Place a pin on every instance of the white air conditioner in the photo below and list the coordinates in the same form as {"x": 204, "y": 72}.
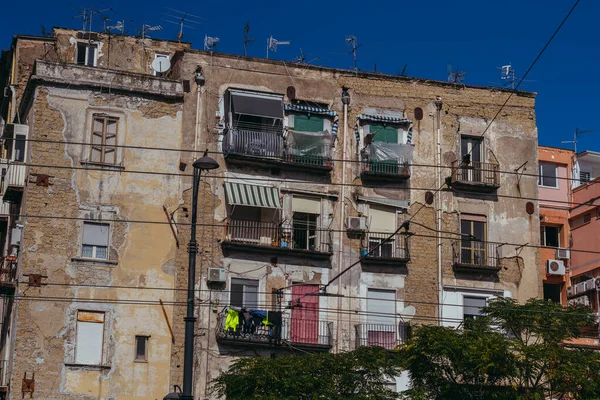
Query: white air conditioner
{"x": 581, "y": 300}
{"x": 15, "y": 237}
{"x": 556, "y": 267}
{"x": 563, "y": 254}
{"x": 357, "y": 224}
{"x": 580, "y": 288}
{"x": 570, "y": 291}
{"x": 15, "y": 129}
{"x": 589, "y": 285}
{"x": 216, "y": 275}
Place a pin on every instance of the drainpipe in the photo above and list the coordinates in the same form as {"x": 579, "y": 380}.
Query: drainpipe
{"x": 438, "y": 105}
{"x": 340, "y": 260}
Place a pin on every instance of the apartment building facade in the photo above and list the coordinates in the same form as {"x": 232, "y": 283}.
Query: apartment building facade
{"x": 347, "y": 208}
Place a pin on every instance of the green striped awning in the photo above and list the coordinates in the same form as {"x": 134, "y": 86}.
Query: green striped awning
{"x": 252, "y": 195}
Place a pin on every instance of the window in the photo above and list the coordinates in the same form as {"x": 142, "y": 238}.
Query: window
{"x": 472, "y": 308}
{"x": 244, "y": 293}
{"x": 95, "y": 240}
{"x": 90, "y": 337}
{"x": 141, "y": 348}
{"x": 86, "y": 54}
{"x": 550, "y": 235}
{"x": 309, "y": 123}
{"x": 382, "y": 223}
{"x": 472, "y": 147}
{"x": 104, "y": 139}
{"x": 257, "y": 112}
{"x": 162, "y": 57}
{"x": 585, "y": 177}
{"x": 587, "y": 218}
{"x": 20, "y": 146}
{"x": 381, "y": 328}
{"x": 548, "y": 174}
{"x": 305, "y": 230}
{"x": 552, "y": 292}
{"x": 472, "y": 247}
{"x": 383, "y": 133}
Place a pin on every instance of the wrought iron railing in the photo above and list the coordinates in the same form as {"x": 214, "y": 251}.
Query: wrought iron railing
{"x": 292, "y": 330}
{"x": 394, "y": 247}
{"x": 8, "y": 271}
{"x": 476, "y": 172}
{"x": 468, "y": 252}
{"x": 274, "y": 234}
{"x": 386, "y": 336}
{"x": 389, "y": 167}
{"x": 269, "y": 143}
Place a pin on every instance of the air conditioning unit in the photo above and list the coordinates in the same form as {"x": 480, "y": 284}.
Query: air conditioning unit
{"x": 556, "y": 267}
{"x": 15, "y": 237}
{"x": 590, "y": 285}
{"x": 15, "y": 129}
{"x": 563, "y": 254}
{"x": 571, "y": 291}
{"x": 216, "y": 275}
{"x": 357, "y": 224}
{"x": 581, "y": 300}
{"x": 580, "y": 288}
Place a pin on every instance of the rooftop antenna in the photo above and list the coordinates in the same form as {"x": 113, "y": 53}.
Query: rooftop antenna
{"x": 575, "y": 135}
{"x": 272, "y": 44}
{"x": 507, "y": 73}
{"x": 300, "y": 59}
{"x": 180, "y": 19}
{"x": 210, "y": 43}
{"x": 455, "y": 76}
{"x": 247, "y": 40}
{"x": 120, "y": 26}
{"x": 85, "y": 17}
{"x": 105, "y": 19}
{"x": 149, "y": 28}
{"x": 353, "y": 42}
{"x": 404, "y": 70}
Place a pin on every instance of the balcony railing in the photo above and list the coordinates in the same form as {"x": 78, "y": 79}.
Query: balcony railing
{"x": 267, "y": 143}
{"x": 4, "y": 375}
{"x": 13, "y": 181}
{"x": 392, "y": 167}
{"x": 8, "y": 271}
{"x": 4, "y": 208}
{"x": 476, "y": 173}
{"x": 394, "y": 248}
{"x": 275, "y": 235}
{"x": 386, "y": 336}
{"x": 292, "y": 330}
{"x": 475, "y": 255}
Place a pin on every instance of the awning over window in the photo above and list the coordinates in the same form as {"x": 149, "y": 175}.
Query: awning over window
{"x": 257, "y": 104}
{"x": 403, "y": 204}
{"x": 252, "y": 195}
{"x": 383, "y": 118}
{"x": 316, "y": 110}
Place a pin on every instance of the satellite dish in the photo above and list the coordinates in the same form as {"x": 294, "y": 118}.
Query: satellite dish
{"x": 161, "y": 64}
{"x": 408, "y": 313}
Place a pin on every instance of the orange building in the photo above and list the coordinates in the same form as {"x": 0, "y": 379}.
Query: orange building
{"x": 554, "y": 185}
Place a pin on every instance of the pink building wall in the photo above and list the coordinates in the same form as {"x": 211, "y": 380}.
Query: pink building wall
{"x": 586, "y": 236}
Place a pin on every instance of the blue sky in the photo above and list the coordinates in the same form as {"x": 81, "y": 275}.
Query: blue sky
{"x": 478, "y": 36}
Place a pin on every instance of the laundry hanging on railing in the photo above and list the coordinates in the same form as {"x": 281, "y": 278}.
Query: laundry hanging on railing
{"x": 315, "y": 144}
{"x": 316, "y": 110}
{"x": 382, "y": 118}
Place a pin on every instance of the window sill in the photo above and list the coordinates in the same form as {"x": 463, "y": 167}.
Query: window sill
{"x": 88, "y": 366}
{"x": 103, "y": 166}
{"x": 94, "y": 260}
{"x": 141, "y": 361}
{"x": 548, "y": 187}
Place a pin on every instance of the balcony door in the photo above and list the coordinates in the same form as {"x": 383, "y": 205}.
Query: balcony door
{"x": 472, "y": 248}
{"x": 473, "y": 147}
{"x": 305, "y": 319}
{"x": 381, "y": 318}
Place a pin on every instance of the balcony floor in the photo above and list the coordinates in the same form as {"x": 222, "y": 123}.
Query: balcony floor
{"x": 229, "y": 246}
{"x": 382, "y": 177}
{"x": 265, "y": 162}
{"x": 486, "y": 269}
{"x": 251, "y": 341}
{"x": 385, "y": 261}
{"x": 478, "y": 187}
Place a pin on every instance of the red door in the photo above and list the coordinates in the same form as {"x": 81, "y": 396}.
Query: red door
{"x": 305, "y": 319}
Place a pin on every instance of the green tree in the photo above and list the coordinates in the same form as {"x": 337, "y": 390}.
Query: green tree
{"x": 513, "y": 351}
{"x": 357, "y": 375}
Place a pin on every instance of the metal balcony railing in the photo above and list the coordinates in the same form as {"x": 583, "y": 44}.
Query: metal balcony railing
{"x": 4, "y": 208}
{"x": 292, "y": 330}
{"x": 389, "y": 167}
{"x": 396, "y": 247}
{"x": 14, "y": 178}
{"x": 267, "y": 142}
{"x": 273, "y": 234}
{"x": 386, "y": 336}
{"x": 8, "y": 271}
{"x": 473, "y": 253}
{"x": 476, "y": 172}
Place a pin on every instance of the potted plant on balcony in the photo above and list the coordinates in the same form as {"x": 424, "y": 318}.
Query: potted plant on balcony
{"x": 286, "y": 237}
{"x": 275, "y": 240}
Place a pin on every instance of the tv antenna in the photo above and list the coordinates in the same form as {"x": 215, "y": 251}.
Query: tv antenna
{"x": 353, "y": 42}
{"x": 575, "y": 136}
{"x": 455, "y": 76}
{"x": 247, "y": 40}
{"x": 182, "y": 19}
{"x": 210, "y": 43}
{"x": 403, "y": 73}
{"x": 272, "y": 44}
{"x": 120, "y": 26}
{"x": 300, "y": 59}
{"x": 507, "y": 73}
{"x": 86, "y": 16}
{"x": 149, "y": 28}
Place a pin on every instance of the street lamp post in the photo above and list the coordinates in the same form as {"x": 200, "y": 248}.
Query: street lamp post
{"x": 204, "y": 163}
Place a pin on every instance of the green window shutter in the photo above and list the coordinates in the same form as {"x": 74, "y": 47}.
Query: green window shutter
{"x": 385, "y": 134}
{"x": 306, "y": 123}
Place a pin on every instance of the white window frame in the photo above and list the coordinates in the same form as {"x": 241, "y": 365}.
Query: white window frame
{"x": 585, "y": 177}
{"x": 87, "y": 53}
{"x": 540, "y": 179}
{"x": 95, "y": 247}
{"x": 249, "y": 280}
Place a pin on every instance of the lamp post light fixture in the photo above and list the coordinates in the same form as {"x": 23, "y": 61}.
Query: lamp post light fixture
{"x": 204, "y": 163}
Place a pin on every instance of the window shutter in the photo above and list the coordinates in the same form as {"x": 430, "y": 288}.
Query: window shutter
{"x": 384, "y": 134}
{"x": 95, "y": 234}
{"x": 381, "y": 306}
{"x": 306, "y": 205}
{"x": 382, "y": 219}
{"x": 473, "y": 305}
{"x": 90, "y": 338}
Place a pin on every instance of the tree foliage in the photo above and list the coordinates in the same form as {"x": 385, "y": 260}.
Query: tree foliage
{"x": 358, "y": 375}
{"x": 512, "y": 352}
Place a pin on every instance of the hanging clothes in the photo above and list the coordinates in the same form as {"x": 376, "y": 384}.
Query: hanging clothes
{"x": 232, "y": 320}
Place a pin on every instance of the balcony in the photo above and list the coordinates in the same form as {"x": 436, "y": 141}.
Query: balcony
{"x": 274, "y": 238}
{"x": 477, "y": 176}
{"x": 13, "y": 181}
{"x": 475, "y": 256}
{"x": 310, "y": 334}
{"x": 263, "y": 146}
{"x": 4, "y": 378}
{"x": 4, "y": 209}
{"x": 8, "y": 277}
{"x": 386, "y": 336}
{"x": 393, "y": 251}
{"x": 385, "y": 162}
